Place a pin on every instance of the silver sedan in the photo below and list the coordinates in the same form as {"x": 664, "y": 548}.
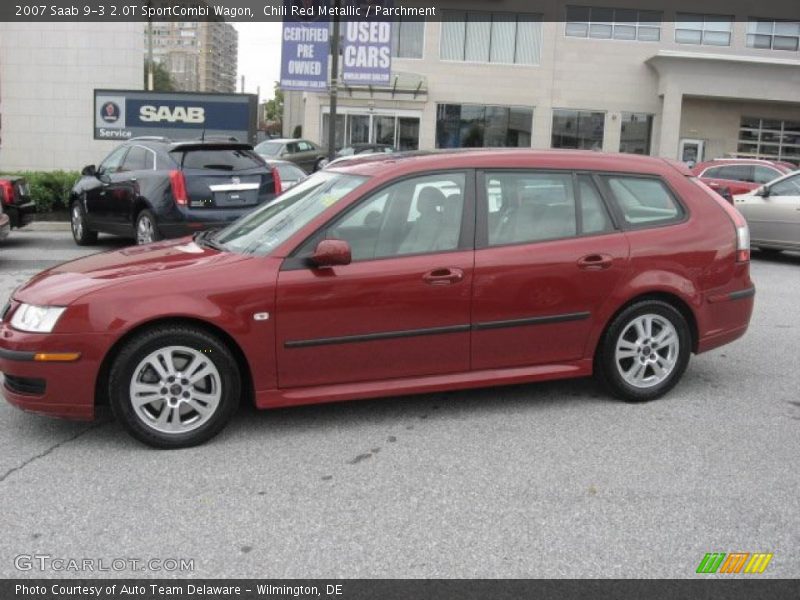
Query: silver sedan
{"x": 773, "y": 214}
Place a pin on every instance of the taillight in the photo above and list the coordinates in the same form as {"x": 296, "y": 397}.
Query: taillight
{"x": 8, "y": 191}
{"x": 178, "y": 182}
{"x": 739, "y": 222}
{"x": 276, "y": 177}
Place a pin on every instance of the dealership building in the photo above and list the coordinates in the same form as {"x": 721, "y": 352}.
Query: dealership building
{"x": 48, "y": 73}
{"x": 668, "y": 82}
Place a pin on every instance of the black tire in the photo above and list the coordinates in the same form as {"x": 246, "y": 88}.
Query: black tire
{"x": 770, "y": 252}
{"x": 127, "y": 365}
{"x": 81, "y": 233}
{"x": 608, "y": 370}
{"x": 144, "y": 218}
{"x": 320, "y": 164}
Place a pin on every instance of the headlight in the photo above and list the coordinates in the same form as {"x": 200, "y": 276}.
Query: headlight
{"x": 36, "y": 319}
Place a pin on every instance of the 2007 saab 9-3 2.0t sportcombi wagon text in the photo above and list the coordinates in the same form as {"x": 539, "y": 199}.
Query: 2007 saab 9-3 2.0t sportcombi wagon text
{"x": 394, "y": 275}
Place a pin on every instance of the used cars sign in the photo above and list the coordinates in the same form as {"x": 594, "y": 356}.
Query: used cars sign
{"x": 121, "y": 115}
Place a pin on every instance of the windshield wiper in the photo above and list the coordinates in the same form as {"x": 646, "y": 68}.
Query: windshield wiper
{"x": 204, "y": 239}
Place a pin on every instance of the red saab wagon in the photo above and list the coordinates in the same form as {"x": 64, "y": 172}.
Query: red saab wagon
{"x": 395, "y": 275}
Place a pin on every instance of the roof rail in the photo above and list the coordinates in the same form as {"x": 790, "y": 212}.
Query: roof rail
{"x": 747, "y": 158}
{"x": 150, "y": 138}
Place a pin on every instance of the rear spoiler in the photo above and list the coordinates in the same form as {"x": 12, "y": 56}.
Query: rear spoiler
{"x": 215, "y": 145}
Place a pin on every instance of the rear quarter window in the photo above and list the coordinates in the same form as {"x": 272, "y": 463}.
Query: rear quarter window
{"x": 221, "y": 159}
{"x": 643, "y": 201}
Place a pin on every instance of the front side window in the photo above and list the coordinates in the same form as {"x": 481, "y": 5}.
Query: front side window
{"x": 421, "y": 215}
{"x": 708, "y": 30}
{"x": 112, "y": 162}
{"x": 613, "y": 23}
{"x": 264, "y": 229}
{"x": 736, "y": 173}
{"x": 578, "y": 129}
{"x": 787, "y": 187}
{"x": 491, "y": 37}
{"x": 643, "y": 201}
{"x": 526, "y": 207}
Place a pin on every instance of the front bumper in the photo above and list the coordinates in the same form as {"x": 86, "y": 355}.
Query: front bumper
{"x": 58, "y": 389}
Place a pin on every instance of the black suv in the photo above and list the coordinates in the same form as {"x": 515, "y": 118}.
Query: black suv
{"x": 152, "y": 188}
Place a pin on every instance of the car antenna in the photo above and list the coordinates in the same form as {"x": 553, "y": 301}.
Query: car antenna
{"x": 203, "y": 135}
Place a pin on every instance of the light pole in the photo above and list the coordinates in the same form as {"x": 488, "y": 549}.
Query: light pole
{"x": 334, "y": 82}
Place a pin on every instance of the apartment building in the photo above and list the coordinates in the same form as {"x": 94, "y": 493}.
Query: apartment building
{"x": 200, "y": 56}
{"x": 669, "y": 81}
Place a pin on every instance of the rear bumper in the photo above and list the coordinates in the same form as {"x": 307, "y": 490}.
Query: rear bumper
{"x": 189, "y": 221}
{"x": 727, "y": 317}
{"x": 58, "y": 389}
{"x": 20, "y": 214}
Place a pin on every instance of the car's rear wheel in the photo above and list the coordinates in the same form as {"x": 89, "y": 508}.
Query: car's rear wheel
{"x": 320, "y": 164}
{"x": 174, "y": 387}
{"x": 644, "y": 351}
{"x": 81, "y": 233}
{"x": 146, "y": 228}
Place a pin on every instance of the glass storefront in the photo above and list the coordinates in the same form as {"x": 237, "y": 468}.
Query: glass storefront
{"x": 636, "y": 133}
{"x": 481, "y": 126}
{"x": 398, "y": 129}
{"x": 578, "y": 129}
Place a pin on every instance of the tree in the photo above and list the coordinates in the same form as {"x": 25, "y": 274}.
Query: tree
{"x": 274, "y": 107}
{"x": 162, "y": 80}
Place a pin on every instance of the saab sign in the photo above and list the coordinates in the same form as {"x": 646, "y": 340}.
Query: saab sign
{"x": 121, "y": 115}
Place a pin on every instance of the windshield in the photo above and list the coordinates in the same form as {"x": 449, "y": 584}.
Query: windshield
{"x": 269, "y": 148}
{"x": 264, "y": 229}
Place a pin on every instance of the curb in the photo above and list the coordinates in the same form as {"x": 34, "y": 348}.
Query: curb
{"x": 46, "y": 226}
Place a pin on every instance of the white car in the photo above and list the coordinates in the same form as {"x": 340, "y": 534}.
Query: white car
{"x": 773, "y": 214}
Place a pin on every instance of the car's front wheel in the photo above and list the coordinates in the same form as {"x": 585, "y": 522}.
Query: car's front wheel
{"x": 146, "y": 228}
{"x": 81, "y": 233}
{"x": 174, "y": 387}
{"x": 644, "y": 351}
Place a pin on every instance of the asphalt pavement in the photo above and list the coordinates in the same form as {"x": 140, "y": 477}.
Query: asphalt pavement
{"x": 547, "y": 480}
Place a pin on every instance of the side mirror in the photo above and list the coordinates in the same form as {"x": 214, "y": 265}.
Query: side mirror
{"x": 332, "y": 253}
{"x": 89, "y": 171}
{"x": 763, "y": 191}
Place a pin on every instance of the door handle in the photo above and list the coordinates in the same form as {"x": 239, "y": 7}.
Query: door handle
{"x": 445, "y": 276}
{"x": 595, "y": 262}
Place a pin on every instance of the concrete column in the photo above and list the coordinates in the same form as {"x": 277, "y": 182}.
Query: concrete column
{"x": 670, "y": 131}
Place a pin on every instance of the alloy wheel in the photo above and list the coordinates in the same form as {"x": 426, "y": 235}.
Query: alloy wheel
{"x": 77, "y": 221}
{"x": 647, "y": 351}
{"x": 175, "y": 389}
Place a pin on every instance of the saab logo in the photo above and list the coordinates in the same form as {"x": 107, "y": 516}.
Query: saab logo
{"x": 734, "y": 563}
{"x": 110, "y": 112}
{"x": 184, "y": 114}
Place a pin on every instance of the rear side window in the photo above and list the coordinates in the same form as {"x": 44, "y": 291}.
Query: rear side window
{"x": 530, "y": 207}
{"x": 137, "y": 159}
{"x": 643, "y": 201}
{"x": 732, "y": 172}
{"x": 226, "y": 159}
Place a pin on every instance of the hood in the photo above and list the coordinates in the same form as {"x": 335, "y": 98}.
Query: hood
{"x": 67, "y": 282}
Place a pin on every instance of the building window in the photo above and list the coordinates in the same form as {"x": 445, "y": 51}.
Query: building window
{"x": 486, "y": 37}
{"x": 773, "y": 35}
{"x": 401, "y": 132}
{"x": 580, "y": 129}
{"x": 613, "y": 23}
{"x": 635, "y": 136}
{"x": 408, "y": 37}
{"x": 708, "y": 30}
{"x": 772, "y": 139}
{"x": 479, "y": 126}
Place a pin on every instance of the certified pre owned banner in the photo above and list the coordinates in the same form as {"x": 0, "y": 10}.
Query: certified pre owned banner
{"x": 306, "y": 45}
{"x": 367, "y": 47}
{"x": 124, "y": 114}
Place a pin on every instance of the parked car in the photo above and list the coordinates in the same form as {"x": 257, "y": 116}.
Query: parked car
{"x": 154, "y": 188}
{"x": 358, "y": 150}
{"x": 15, "y": 196}
{"x": 392, "y": 277}
{"x": 290, "y": 174}
{"x": 739, "y": 175}
{"x": 305, "y": 154}
{"x": 773, "y": 213}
